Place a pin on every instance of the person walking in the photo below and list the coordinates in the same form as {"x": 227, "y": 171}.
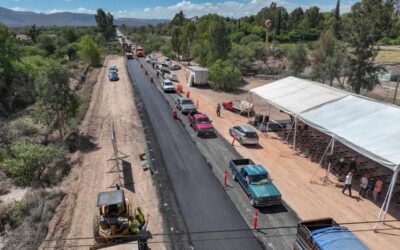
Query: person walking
{"x": 140, "y": 217}
{"x": 347, "y": 183}
{"x": 363, "y": 185}
{"x": 377, "y": 189}
{"x": 219, "y": 110}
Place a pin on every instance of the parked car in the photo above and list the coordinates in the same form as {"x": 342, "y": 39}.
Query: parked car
{"x": 185, "y": 105}
{"x": 200, "y": 123}
{"x": 172, "y": 77}
{"x": 256, "y": 182}
{"x": 244, "y": 134}
{"x": 168, "y": 62}
{"x": 175, "y": 67}
{"x": 113, "y": 76}
{"x": 164, "y": 68}
{"x": 168, "y": 86}
{"x": 112, "y": 68}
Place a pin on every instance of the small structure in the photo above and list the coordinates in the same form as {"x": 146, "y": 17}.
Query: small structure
{"x": 392, "y": 74}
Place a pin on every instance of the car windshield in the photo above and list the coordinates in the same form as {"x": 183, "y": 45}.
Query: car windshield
{"x": 251, "y": 135}
{"x": 167, "y": 83}
{"x": 203, "y": 120}
{"x": 259, "y": 179}
{"x": 113, "y": 73}
{"x": 187, "y": 102}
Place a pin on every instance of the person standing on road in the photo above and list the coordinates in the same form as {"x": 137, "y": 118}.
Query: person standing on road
{"x": 363, "y": 185}
{"x": 219, "y": 110}
{"x": 347, "y": 183}
{"x": 377, "y": 189}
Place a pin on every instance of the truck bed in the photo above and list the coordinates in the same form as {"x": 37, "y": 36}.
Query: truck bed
{"x": 242, "y": 162}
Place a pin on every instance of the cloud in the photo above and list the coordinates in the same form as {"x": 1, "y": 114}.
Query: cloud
{"x": 78, "y": 10}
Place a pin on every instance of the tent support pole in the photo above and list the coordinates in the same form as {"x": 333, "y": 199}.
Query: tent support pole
{"x": 322, "y": 158}
{"x": 386, "y": 203}
{"x": 290, "y": 131}
{"x": 295, "y": 133}
{"x": 328, "y": 170}
{"x": 269, "y": 118}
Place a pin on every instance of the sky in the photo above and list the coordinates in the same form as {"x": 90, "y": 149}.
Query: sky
{"x": 166, "y": 9}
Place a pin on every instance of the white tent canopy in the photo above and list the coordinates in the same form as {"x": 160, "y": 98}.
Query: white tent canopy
{"x": 294, "y": 95}
{"x": 369, "y": 127}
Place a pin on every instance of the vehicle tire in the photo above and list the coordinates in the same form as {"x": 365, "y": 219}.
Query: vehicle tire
{"x": 234, "y": 177}
{"x": 96, "y": 234}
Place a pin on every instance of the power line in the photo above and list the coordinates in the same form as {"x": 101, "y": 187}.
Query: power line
{"x": 260, "y": 229}
{"x": 192, "y": 240}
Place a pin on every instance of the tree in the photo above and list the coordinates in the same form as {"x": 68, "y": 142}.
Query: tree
{"x": 57, "y": 103}
{"x": 297, "y": 57}
{"x": 178, "y": 19}
{"x": 176, "y": 40}
{"x": 31, "y": 160}
{"x": 312, "y": 18}
{"x": 330, "y": 59}
{"x": 89, "y": 51}
{"x": 224, "y": 76}
{"x": 336, "y": 24}
{"x": 218, "y": 38}
{"x": 9, "y": 54}
{"x": 278, "y": 15}
{"x": 34, "y": 33}
{"x": 368, "y": 21}
{"x": 296, "y": 17}
{"x": 69, "y": 35}
{"x": 188, "y": 31}
{"x": 105, "y": 24}
{"x": 48, "y": 44}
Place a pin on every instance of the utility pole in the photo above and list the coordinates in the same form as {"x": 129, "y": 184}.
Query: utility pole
{"x": 395, "y": 92}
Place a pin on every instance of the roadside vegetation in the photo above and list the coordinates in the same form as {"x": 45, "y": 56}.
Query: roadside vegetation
{"x": 44, "y": 94}
{"x": 335, "y": 46}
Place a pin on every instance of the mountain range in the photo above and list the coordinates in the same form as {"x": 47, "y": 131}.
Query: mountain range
{"x": 26, "y": 18}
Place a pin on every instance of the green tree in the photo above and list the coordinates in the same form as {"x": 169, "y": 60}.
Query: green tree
{"x": 178, "y": 19}
{"x": 69, "y": 35}
{"x": 48, "y": 44}
{"x": 188, "y": 31}
{"x": 312, "y": 18}
{"x": 30, "y": 161}
{"x": 89, "y": 51}
{"x": 57, "y": 103}
{"x": 176, "y": 40}
{"x": 296, "y": 17}
{"x": 336, "y": 23}
{"x": 222, "y": 75}
{"x": 105, "y": 24}
{"x": 368, "y": 21}
{"x": 34, "y": 33}
{"x": 330, "y": 59}
{"x": 8, "y": 54}
{"x": 297, "y": 58}
{"x": 218, "y": 38}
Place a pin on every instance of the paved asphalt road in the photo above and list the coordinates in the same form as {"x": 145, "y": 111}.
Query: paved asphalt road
{"x": 202, "y": 200}
{"x": 218, "y": 152}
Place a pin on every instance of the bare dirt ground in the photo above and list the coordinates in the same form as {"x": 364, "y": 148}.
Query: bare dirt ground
{"x": 292, "y": 173}
{"x": 112, "y": 102}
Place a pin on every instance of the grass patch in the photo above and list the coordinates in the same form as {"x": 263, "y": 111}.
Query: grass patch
{"x": 388, "y": 57}
{"x": 28, "y": 219}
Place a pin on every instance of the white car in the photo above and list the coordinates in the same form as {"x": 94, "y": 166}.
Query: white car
{"x": 168, "y": 62}
{"x": 173, "y": 77}
{"x": 168, "y": 86}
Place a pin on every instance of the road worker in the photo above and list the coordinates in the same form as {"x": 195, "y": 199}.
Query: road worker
{"x": 134, "y": 225}
{"x": 140, "y": 217}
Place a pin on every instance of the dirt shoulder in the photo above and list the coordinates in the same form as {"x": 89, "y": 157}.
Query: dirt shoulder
{"x": 111, "y": 102}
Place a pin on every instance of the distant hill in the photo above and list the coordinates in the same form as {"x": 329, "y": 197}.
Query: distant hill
{"x": 25, "y": 18}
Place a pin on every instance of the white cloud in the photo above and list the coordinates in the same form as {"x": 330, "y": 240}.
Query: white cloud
{"x": 229, "y": 8}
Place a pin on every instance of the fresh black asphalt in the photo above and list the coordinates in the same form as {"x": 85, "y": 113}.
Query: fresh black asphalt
{"x": 204, "y": 204}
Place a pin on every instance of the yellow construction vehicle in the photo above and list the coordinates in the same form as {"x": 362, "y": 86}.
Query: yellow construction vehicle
{"x": 115, "y": 220}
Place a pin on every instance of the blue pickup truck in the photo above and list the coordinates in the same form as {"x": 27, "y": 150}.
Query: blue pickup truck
{"x": 256, "y": 182}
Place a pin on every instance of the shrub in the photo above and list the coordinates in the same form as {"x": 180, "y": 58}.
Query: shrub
{"x": 223, "y": 75}
{"x": 21, "y": 127}
{"x": 31, "y": 161}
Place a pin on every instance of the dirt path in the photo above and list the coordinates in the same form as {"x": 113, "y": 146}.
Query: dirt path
{"x": 112, "y": 102}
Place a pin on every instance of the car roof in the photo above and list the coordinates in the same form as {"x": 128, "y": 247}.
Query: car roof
{"x": 112, "y": 66}
{"x": 200, "y": 115}
{"x": 167, "y": 80}
{"x": 110, "y": 198}
{"x": 183, "y": 98}
{"x": 255, "y": 169}
{"x": 246, "y": 128}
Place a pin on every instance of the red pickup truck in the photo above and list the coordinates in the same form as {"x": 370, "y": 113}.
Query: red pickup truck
{"x": 200, "y": 123}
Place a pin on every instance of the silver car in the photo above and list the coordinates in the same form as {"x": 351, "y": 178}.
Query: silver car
{"x": 244, "y": 134}
{"x": 185, "y": 105}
